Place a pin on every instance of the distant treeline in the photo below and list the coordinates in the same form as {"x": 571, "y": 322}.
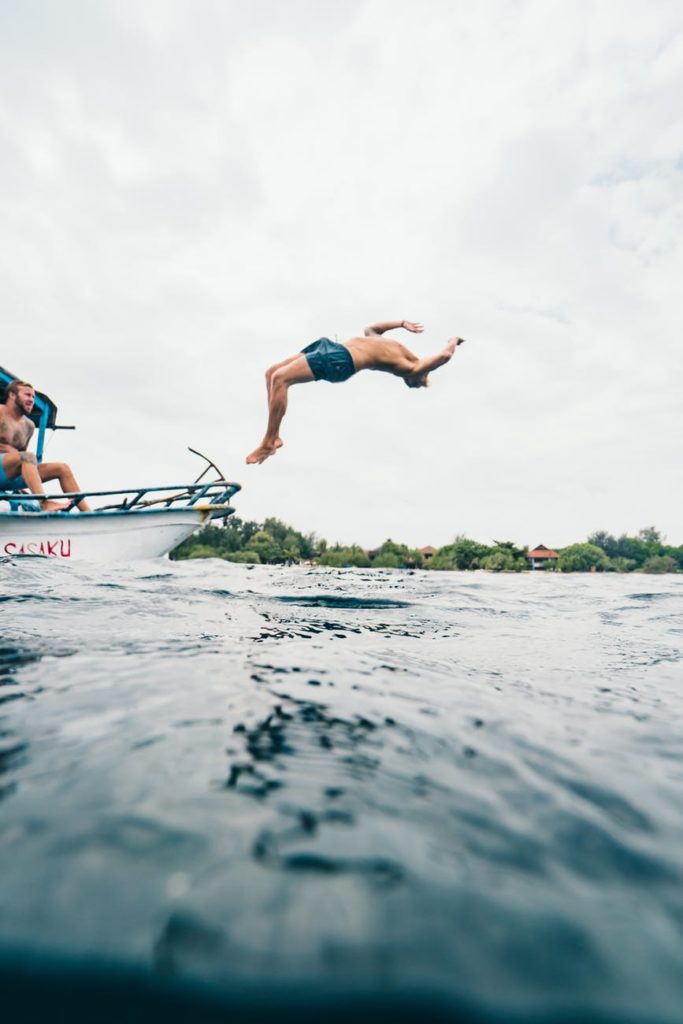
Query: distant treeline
{"x": 273, "y": 542}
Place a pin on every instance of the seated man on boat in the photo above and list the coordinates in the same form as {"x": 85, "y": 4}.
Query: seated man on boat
{"x": 19, "y": 468}
{"x": 329, "y": 360}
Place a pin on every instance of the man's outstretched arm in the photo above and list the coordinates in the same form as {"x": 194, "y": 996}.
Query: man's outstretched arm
{"x": 392, "y": 325}
{"x": 425, "y": 366}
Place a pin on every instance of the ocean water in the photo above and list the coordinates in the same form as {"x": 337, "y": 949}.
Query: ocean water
{"x": 270, "y": 793}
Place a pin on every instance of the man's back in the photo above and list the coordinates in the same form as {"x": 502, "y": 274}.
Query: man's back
{"x": 377, "y": 353}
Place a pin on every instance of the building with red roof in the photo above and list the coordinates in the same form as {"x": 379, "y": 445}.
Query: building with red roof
{"x": 541, "y": 556}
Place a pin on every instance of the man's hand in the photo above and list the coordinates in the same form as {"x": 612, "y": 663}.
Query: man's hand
{"x": 414, "y": 328}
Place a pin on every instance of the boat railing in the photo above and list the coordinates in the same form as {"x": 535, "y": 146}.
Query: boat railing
{"x": 213, "y": 497}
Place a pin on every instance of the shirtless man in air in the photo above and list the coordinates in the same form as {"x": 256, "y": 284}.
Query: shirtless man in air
{"x": 329, "y": 360}
{"x": 19, "y": 468}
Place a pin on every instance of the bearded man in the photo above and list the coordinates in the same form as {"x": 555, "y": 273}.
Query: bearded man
{"x": 19, "y": 468}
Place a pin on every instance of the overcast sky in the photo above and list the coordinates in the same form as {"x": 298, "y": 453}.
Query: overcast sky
{"x": 191, "y": 191}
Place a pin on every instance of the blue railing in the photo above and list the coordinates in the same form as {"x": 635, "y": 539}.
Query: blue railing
{"x": 216, "y": 495}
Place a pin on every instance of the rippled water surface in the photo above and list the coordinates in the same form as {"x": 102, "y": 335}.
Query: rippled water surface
{"x": 457, "y": 787}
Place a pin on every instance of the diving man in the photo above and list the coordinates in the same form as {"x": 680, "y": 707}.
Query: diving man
{"x": 20, "y": 468}
{"x": 335, "y": 362}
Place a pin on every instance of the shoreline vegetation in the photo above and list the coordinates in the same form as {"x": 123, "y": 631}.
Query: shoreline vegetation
{"x": 274, "y": 542}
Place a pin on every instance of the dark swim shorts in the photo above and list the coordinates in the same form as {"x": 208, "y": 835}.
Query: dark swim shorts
{"x": 329, "y": 360}
{"x": 6, "y": 484}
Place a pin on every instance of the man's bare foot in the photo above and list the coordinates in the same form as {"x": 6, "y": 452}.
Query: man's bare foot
{"x": 261, "y": 453}
{"x": 452, "y": 345}
{"x": 53, "y": 506}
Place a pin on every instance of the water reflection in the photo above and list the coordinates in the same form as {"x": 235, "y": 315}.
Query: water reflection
{"x": 14, "y": 657}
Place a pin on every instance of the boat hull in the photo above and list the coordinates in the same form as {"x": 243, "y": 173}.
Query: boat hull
{"x": 98, "y": 536}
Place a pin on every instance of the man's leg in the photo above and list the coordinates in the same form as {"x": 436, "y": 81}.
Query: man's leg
{"x": 278, "y": 366}
{"x": 16, "y": 464}
{"x": 295, "y": 371}
{"x": 269, "y": 377}
{"x": 67, "y": 481}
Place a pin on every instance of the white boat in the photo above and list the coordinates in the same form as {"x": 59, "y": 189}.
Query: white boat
{"x": 132, "y": 523}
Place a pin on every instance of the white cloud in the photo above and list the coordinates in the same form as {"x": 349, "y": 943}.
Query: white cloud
{"x": 190, "y": 192}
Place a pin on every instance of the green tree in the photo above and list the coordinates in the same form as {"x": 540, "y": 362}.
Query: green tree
{"x": 660, "y": 564}
{"x": 266, "y": 547}
{"x": 390, "y": 547}
{"x": 498, "y": 560}
{"x": 203, "y": 551}
{"x": 230, "y": 537}
{"x": 338, "y": 557}
{"x": 621, "y": 564}
{"x": 244, "y": 530}
{"x": 648, "y": 542}
{"x": 608, "y": 543}
{"x": 273, "y": 540}
{"x": 583, "y": 558}
{"x": 442, "y": 560}
{"x": 504, "y": 557}
{"x": 293, "y": 544}
{"x": 388, "y": 560}
{"x": 463, "y": 553}
{"x": 519, "y": 554}
{"x": 676, "y": 553}
{"x": 207, "y": 539}
{"x": 649, "y": 535}
{"x": 251, "y": 557}
{"x": 396, "y": 556}
{"x": 634, "y": 549}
